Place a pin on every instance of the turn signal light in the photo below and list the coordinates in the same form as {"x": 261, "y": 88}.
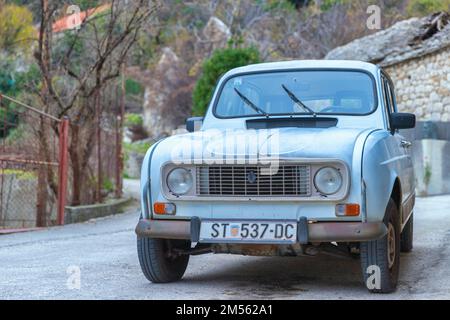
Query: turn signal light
{"x": 164, "y": 208}
{"x": 347, "y": 210}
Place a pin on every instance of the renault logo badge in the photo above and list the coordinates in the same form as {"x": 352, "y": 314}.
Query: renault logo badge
{"x": 251, "y": 177}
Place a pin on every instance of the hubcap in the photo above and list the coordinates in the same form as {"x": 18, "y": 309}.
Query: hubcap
{"x": 391, "y": 245}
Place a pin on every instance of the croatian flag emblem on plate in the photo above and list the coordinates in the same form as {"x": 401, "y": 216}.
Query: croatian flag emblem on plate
{"x": 234, "y": 230}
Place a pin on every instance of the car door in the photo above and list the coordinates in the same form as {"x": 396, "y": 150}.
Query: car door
{"x": 403, "y": 150}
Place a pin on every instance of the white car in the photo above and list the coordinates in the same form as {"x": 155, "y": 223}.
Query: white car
{"x": 292, "y": 158}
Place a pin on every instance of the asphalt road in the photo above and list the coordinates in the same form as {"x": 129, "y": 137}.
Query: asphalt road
{"x": 34, "y": 265}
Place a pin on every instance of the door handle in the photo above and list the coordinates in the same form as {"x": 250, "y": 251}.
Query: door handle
{"x": 406, "y": 144}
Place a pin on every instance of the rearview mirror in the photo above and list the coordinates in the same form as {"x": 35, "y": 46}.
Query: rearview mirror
{"x": 194, "y": 124}
{"x": 401, "y": 120}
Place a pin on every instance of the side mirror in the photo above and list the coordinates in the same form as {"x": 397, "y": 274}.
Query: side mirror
{"x": 401, "y": 120}
{"x": 194, "y": 124}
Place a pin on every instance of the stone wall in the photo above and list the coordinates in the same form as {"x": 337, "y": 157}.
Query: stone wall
{"x": 422, "y": 85}
{"x": 167, "y": 94}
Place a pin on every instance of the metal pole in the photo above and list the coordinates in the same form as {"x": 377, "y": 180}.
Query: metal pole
{"x": 63, "y": 168}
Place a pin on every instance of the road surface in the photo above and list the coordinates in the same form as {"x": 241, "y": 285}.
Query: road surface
{"x": 35, "y": 265}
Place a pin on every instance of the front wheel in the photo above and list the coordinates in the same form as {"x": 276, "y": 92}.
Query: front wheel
{"x": 380, "y": 259}
{"x": 159, "y": 262}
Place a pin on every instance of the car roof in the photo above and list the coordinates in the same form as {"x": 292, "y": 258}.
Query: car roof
{"x": 305, "y": 64}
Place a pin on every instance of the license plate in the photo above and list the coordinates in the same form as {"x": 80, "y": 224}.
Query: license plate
{"x": 243, "y": 231}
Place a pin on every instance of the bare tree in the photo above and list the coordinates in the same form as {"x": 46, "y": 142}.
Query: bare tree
{"x": 77, "y": 67}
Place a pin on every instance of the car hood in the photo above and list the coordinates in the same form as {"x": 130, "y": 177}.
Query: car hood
{"x": 336, "y": 143}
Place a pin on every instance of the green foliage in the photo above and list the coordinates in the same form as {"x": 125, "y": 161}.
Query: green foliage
{"x": 7, "y": 81}
{"x": 86, "y": 4}
{"x": 31, "y": 76}
{"x": 108, "y": 185}
{"x": 425, "y": 7}
{"x": 289, "y": 5}
{"x": 7, "y": 76}
{"x": 11, "y": 120}
{"x": 15, "y": 135}
{"x": 137, "y": 147}
{"x": 14, "y": 80}
{"x": 133, "y": 120}
{"x": 427, "y": 174}
{"x": 70, "y": 39}
{"x": 132, "y": 87}
{"x": 326, "y": 5}
{"x": 20, "y": 174}
{"x": 13, "y": 83}
{"x": 220, "y": 62}
{"x": 125, "y": 175}
{"x": 16, "y": 28}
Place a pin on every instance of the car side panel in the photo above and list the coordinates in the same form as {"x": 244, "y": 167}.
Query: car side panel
{"x": 383, "y": 163}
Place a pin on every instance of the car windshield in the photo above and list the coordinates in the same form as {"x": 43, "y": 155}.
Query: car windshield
{"x": 297, "y": 92}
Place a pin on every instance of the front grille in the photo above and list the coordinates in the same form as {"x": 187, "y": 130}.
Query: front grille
{"x": 248, "y": 180}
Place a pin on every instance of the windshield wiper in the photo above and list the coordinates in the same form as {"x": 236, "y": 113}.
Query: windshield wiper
{"x": 297, "y": 100}
{"x": 250, "y": 104}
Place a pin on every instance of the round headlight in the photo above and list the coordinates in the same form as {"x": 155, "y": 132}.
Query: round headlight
{"x": 328, "y": 180}
{"x": 179, "y": 181}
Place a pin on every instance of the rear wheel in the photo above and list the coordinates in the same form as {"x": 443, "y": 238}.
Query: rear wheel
{"x": 406, "y": 238}
{"x": 380, "y": 259}
{"x": 159, "y": 261}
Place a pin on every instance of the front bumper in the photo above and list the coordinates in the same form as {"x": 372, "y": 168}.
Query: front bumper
{"x": 307, "y": 232}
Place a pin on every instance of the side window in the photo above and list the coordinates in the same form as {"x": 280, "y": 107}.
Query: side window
{"x": 388, "y": 96}
{"x": 387, "y": 100}
{"x": 392, "y": 94}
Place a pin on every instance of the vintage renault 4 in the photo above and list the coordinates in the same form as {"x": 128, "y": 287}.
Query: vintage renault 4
{"x": 292, "y": 158}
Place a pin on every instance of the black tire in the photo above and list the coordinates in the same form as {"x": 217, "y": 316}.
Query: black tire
{"x": 156, "y": 264}
{"x": 377, "y": 253}
{"x": 406, "y": 238}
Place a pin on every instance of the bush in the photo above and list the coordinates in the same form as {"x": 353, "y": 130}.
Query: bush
{"x": 132, "y": 87}
{"x": 8, "y": 82}
{"x": 14, "y": 82}
{"x": 14, "y": 134}
{"x": 11, "y": 122}
{"x": 137, "y": 147}
{"x": 20, "y": 174}
{"x": 288, "y": 5}
{"x": 328, "y": 4}
{"x": 133, "y": 120}
{"x": 16, "y": 28}
{"x": 425, "y": 7}
{"x": 220, "y": 62}
{"x": 108, "y": 185}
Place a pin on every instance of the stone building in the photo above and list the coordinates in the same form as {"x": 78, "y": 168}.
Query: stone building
{"x": 416, "y": 54}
